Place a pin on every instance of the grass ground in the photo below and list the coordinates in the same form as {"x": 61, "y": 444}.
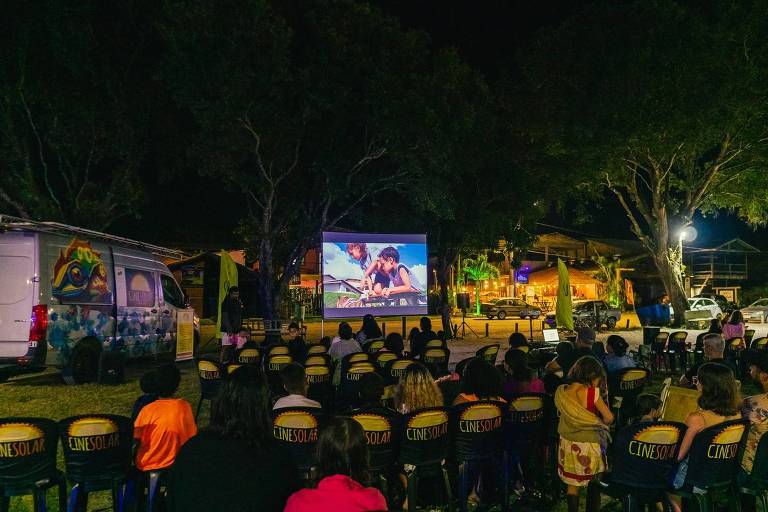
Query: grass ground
{"x": 47, "y": 396}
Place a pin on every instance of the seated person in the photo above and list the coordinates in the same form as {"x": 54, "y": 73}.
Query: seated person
{"x": 617, "y": 358}
{"x": 755, "y": 408}
{"x": 561, "y": 365}
{"x": 296, "y": 345}
{"x": 648, "y": 407}
{"x": 714, "y": 347}
{"x": 369, "y": 331}
{"x": 394, "y": 343}
{"x": 343, "y": 345}
{"x": 482, "y": 381}
{"x": 295, "y": 383}
{"x": 163, "y": 426}
{"x": 520, "y": 378}
{"x": 518, "y": 341}
{"x": 370, "y": 393}
{"x": 149, "y": 386}
{"x": 420, "y": 339}
{"x": 342, "y": 456}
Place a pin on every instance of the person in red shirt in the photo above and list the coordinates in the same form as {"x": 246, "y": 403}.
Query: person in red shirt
{"x": 163, "y": 426}
{"x": 342, "y": 455}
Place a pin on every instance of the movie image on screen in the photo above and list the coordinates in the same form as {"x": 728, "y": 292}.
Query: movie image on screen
{"x": 374, "y": 273}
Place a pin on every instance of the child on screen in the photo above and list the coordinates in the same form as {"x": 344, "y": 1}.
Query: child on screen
{"x": 373, "y": 278}
{"x": 401, "y": 279}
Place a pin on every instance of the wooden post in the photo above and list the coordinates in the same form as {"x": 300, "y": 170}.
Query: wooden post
{"x": 486, "y": 329}
{"x": 384, "y": 329}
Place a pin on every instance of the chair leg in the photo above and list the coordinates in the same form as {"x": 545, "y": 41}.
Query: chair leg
{"x": 463, "y": 487}
{"x": 73, "y": 496}
{"x": 5, "y": 503}
{"x": 62, "y": 495}
{"x": 199, "y": 403}
{"x": 448, "y": 493}
{"x": 117, "y": 496}
{"x": 505, "y": 483}
{"x": 38, "y": 500}
{"x": 154, "y": 479}
{"x": 413, "y": 482}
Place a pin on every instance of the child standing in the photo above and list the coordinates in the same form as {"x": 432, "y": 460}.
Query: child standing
{"x": 583, "y": 429}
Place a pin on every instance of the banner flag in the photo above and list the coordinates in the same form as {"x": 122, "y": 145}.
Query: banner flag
{"x": 227, "y": 279}
{"x": 564, "y": 310}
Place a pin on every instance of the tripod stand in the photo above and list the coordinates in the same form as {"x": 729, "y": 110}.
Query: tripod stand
{"x": 464, "y": 325}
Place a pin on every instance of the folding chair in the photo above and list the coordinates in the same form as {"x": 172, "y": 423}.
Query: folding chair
{"x": 29, "y": 464}
{"x": 424, "y": 445}
{"x": 209, "y": 374}
{"x": 643, "y": 456}
{"x": 477, "y": 429}
{"x": 489, "y": 353}
{"x": 713, "y": 463}
{"x": 97, "y": 456}
{"x": 297, "y": 429}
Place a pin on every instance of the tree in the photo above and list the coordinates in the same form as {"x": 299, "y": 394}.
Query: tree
{"x": 478, "y": 269}
{"x": 307, "y": 110}
{"x": 662, "y": 103}
{"x": 72, "y": 130}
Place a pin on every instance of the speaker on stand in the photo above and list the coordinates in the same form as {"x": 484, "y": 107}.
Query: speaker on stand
{"x": 463, "y": 303}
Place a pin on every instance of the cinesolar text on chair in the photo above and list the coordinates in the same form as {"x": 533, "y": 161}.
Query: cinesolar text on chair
{"x": 713, "y": 464}
{"x": 381, "y": 436}
{"x": 28, "y": 461}
{"x": 210, "y": 375}
{"x": 524, "y": 440}
{"x": 297, "y": 429}
{"x": 477, "y": 430}
{"x": 319, "y": 378}
{"x": 643, "y": 455}
{"x": 623, "y": 389}
{"x": 97, "y": 456}
{"x": 349, "y": 384}
{"x": 424, "y": 440}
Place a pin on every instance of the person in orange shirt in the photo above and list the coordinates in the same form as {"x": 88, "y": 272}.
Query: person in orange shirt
{"x": 163, "y": 426}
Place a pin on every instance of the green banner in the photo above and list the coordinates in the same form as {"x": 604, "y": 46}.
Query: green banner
{"x": 564, "y": 311}
{"x": 227, "y": 278}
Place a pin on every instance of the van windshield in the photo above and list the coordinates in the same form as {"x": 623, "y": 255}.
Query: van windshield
{"x": 15, "y": 278}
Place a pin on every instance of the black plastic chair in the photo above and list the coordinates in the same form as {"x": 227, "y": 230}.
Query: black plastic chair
{"x": 437, "y": 357}
{"x": 676, "y": 351}
{"x": 210, "y": 374}
{"x": 436, "y": 343}
{"x": 350, "y": 382}
{"x": 424, "y": 443}
{"x": 713, "y": 463}
{"x": 626, "y": 385}
{"x": 319, "y": 378}
{"x": 373, "y": 346}
{"x": 278, "y": 349}
{"x": 248, "y": 356}
{"x": 381, "y": 359}
{"x": 525, "y": 435}
{"x": 395, "y": 368}
{"x": 381, "y": 429}
{"x": 318, "y": 360}
{"x": 273, "y": 364}
{"x": 748, "y": 335}
{"x": 489, "y": 353}
{"x": 477, "y": 429}
{"x": 28, "y": 461}
{"x": 316, "y": 349}
{"x": 97, "y": 456}
{"x": 759, "y": 343}
{"x": 297, "y": 429}
{"x": 643, "y": 456}
{"x": 658, "y": 352}
{"x": 757, "y": 481}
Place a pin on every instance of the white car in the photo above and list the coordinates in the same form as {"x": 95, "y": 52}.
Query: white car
{"x": 756, "y": 312}
{"x": 703, "y": 303}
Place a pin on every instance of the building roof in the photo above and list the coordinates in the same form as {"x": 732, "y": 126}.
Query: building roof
{"x": 732, "y": 245}
{"x": 550, "y": 276}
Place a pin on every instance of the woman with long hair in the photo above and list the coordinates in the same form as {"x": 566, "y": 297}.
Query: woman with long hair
{"x": 719, "y": 402}
{"x": 234, "y": 459}
{"x": 520, "y": 377}
{"x": 734, "y": 327}
{"x": 342, "y": 458}
{"x": 369, "y": 331}
{"x": 417, "y": 390}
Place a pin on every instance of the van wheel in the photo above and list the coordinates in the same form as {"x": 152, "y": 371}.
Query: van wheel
{"x": 610, "y": 323}
{"x": 502, "y": 315}
{"x": 84, "y": 363}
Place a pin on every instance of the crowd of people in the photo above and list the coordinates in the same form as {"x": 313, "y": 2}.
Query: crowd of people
{"x": 240, "y": 466}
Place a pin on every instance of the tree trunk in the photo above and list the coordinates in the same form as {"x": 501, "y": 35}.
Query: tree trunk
{"x": 672, "y": 285}
{"x": 477, "y": 298}
{"x": 444, "y": 308}
{"x": 266, "y": 285}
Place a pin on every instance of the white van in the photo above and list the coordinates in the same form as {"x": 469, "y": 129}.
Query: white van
{"x": 68, "y": 295}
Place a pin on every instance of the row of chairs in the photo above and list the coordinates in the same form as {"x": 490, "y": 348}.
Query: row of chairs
{"x": 97, "y": 457}
{"x": 468, "y": 435}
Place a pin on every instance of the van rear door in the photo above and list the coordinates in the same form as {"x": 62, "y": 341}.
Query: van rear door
{"x": 18, "y": 289}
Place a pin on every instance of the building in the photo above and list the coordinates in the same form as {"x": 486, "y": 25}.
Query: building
{"x": 721, "y": 268}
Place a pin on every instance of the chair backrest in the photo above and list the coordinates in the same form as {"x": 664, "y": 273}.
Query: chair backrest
{"x": 356, "y": 357}
{"x": 96, "y": 446}
{"x": 231, "y": 367}
{"x": 644, "y": 454}
{"x": 395, "y": 369}
{"x": 277, "y": 350}
{"x": 630, "y": 381}
{"x": 27, "y": 450}
{"x": 350, "y": 379}
{"x": 249, "y": 356}
{"x": 438, "y": 357}
{"x": 660, "y": 340}
{"x": 373, "y": 346}
{"x": 316, "y": 350}
{"x": 759, "y": 343}
{"x": 380, "y": 433}
{"x": 382, "y": 358}
{"x": 462, "y": 364}
{"x": 436, "y": 343}
{"x": 678, "y": 336}
{"x": 736, "y": 344}
{"x": 713, "y": 458}
{"x": 477, "y": 429}
{"x": 424, "y": 436}
{"x": 319, "y": 380}
{"x": 297, "y": 428}
{"x": 489, "y": 353}
{"x": 525, "y": 418}
{"x": 318, "y": 360}
{"x": 748, "y": 335}
{"x": 209, "y": 374}
{"x": 275, "y": 363}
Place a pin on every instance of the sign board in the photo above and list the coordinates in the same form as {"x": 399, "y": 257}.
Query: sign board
{"x": 521, "y": 277}
{"x": 185, "y": 335}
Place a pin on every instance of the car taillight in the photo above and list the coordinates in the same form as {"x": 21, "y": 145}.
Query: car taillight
{"x": 39, "y": 325}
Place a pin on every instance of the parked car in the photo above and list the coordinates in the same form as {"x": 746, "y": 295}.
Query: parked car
{"x": 585, "y": 310}
{"x": 721, "y": 301}
{"x": 70, "y": 296}
{"x": 756, "y": 312}
{"x": 509, "y": 306}
{"x": 703, "y": 303}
